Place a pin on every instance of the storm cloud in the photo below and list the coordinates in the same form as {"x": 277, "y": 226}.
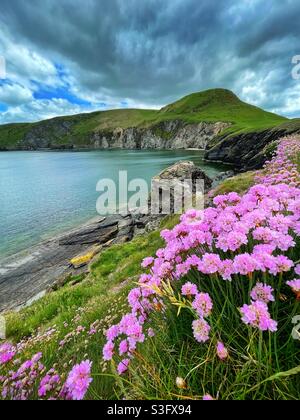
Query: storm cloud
{"x": 71, "y": 56}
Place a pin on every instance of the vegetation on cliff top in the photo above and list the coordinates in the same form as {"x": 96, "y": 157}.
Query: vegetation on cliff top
{"x": 216, "y": 105}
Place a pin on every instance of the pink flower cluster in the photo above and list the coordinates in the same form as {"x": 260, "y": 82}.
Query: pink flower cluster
{"x": 18, "y": 385}
{"x": 22, "y": 379}
{"x": 50, "y": 385}
{"x": 78, "y": 381}
{"x": 263, "y": 293}
{"x": 257, "y": 315}
{"x": 7, "y": 353}
{"x": 238, "y": 237}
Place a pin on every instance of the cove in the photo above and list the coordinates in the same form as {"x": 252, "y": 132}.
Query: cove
{"x": 46, "y": 193}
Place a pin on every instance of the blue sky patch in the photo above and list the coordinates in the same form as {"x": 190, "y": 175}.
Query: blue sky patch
{"x": 48, "y": 92}
{"x": 3, "y": 107}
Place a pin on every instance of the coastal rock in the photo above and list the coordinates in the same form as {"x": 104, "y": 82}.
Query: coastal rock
{"x": 247, "y": 151}
{"x": 178, "y": 187}
{"x": 184, "y": 170}
{"x": 22, "y": 278}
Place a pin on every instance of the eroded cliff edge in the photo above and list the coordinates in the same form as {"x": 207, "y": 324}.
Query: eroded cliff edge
{"x": 168, "y": 135}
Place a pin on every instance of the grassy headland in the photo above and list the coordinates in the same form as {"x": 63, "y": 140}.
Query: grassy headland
{"x": 216, "y": 105}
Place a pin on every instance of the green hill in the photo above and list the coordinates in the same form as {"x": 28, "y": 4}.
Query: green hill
{"x": 217, "y": 105}
{"x": 222, "y": 105}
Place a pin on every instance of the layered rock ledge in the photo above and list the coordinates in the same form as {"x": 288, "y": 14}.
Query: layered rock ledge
{"x": 23, "y": 278}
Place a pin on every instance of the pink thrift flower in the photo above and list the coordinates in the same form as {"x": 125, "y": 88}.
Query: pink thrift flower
{"x": 201, "y": 330}
{"x": 284, "y": 264}
{"x": 258, "y": 316}
{"x": 124, "y": 347}
{"x": 147, "y": 262}
{"x": 7, "y": 353}
{"x": 244, "y": 264}
{"x": 226, "y": 270}
{"x": 222, "y": 351}
{"x": 79, "y": 380}
{"x": 189, "y": 289}
{"x": 112, "y": 333}
{"x": 108, "y": 351}
{"x": 262, "y": 292}
{"x": 123, "y": 366}
{"x": 203, "y": 305}
{"x": 210, "y": 263}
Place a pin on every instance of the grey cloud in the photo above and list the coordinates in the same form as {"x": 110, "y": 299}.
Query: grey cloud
{"x": 154, "y": 51}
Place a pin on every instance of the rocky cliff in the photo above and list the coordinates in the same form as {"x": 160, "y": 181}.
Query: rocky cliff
{"x": 165, "y": 135}
{"x": 247, "y": 151}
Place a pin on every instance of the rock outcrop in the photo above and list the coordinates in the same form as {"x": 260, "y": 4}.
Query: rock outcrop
{"x": 166, "y": 135}
{"x": 247, "y": 151}
{"x": 184, "y": 170}
{"x": 177, "y": 188}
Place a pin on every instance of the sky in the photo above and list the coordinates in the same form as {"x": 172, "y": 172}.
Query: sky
{"x": 71, "y": 56}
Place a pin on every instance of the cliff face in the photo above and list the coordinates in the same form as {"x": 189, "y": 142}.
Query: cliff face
{"x": 246, "y": 151}
{"x": 47, "y": 135}
{"x": 166, "y": 135}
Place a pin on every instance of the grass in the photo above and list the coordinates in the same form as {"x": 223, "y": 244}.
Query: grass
{"x": 210, "y": 106}
{"x": 223, "y": 105}
{"x": 239, "y": 183}
{"x": 247, "y": 375}
{"x": 102, "y": 295}
{"x": 12, "y": 134}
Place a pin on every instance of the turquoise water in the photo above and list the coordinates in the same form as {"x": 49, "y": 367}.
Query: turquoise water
{"x": 45, "y": 193}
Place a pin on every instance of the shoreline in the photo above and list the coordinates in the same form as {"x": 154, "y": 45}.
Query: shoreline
{"x": 35, "y": 271}
{"x": 28, "y": 275}
{"x": 49, "y": 237}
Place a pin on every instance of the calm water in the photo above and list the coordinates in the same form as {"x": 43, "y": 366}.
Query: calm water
{"x": 44, "y": 193}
